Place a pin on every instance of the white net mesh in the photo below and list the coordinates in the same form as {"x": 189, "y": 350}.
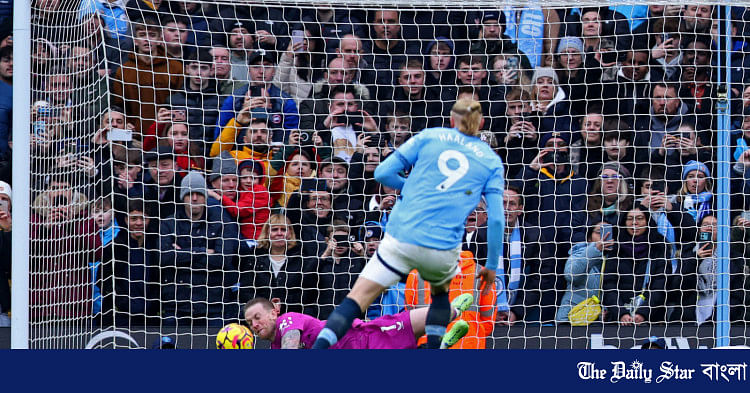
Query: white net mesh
{"x": 190, "y": 156}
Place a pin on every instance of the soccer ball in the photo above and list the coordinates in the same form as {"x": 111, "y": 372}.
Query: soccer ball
{"x": 234, "y": 336}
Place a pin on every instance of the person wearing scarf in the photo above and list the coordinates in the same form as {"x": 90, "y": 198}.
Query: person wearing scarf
{"x": 521, "y": 252}
{"x": 639, "y": 252}
{"x": 695, "y": 196}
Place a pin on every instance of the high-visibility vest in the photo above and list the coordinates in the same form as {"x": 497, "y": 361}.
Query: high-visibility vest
{"x": 480, "y": 316}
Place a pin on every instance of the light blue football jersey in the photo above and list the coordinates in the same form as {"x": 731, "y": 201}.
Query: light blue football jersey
{"x": 451, "y": 171}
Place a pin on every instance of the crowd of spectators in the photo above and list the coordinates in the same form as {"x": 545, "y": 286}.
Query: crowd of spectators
{"x": 188, "y": 156}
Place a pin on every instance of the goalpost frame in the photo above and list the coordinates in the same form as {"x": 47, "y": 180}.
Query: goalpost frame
{"x": 21, "y": 153}
{"x": 19, "y": 331}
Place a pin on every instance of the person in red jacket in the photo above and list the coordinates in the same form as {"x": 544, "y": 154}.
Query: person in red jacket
{"x": 252, "y": 206}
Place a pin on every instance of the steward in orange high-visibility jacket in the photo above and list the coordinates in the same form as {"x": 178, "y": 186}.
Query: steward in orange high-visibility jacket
{"x": 480, "y": 316}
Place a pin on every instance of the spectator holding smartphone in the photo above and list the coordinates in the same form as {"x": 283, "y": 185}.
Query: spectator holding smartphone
{"x": 679, "y": 148}
{"x": 63, "y": 245}
{"x": 261, "y": 93}
{"x": 634, "y": 280}
{"x": 336, "y": 270}
{"x": 346, "y": 120}
{"x": 300, "y": 64}
{"x": 697, "y": 284}
{"x": 583, "y": 268}
{"x": 519, "y": 137}
{"x": 555, "y": 198}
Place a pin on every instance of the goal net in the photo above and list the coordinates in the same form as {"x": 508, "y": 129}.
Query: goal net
{"x": 187, "y": 157}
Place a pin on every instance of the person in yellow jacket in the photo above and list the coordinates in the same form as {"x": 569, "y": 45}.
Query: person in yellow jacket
{"x": 480, "y": 316}
{"x": 255, "y": 143}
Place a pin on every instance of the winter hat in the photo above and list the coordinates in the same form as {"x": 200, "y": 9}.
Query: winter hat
{"x": 232, "y": 24}
{"x": 445, "y": 40}
{"x": 493, "y": 15}
{"x": 617, "y": 167}
{"x": 5, "y": 190}
{"x": 544, "y": 71}
{"x": 570, "y": 42}
{"x": 373, "y": 230}
{"x": 693, "y": 165}
{"x": 564, "y": 135}
{"x": 193, "y": 182}
{"x": 256, "y": 166}
{"x": 224, "y": 164}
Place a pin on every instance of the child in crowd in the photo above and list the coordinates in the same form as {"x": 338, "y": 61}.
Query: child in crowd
{"x": 253, "y": 205}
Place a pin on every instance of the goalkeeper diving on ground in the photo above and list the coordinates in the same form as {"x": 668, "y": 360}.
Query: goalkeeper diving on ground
{"x": 450, "y": 169}
{"x": 399, "y": 331}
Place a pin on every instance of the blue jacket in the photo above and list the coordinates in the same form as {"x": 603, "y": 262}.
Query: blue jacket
{"x": 283, "y": 111}
{"x": 582, "y": 271}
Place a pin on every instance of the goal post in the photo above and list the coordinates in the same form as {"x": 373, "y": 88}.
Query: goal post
{"x": 21, "y": 170}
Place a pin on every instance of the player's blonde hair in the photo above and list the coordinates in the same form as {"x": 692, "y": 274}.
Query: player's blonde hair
{"x": 467, "y": 115}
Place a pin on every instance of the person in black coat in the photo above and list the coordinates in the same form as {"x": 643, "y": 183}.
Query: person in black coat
{"x": 199, "y": 98}
{"x": 275, "y": 268}
{"x": 130, "y": 269}
{"x": 309, "y": 211}
{"x": 696, "y": 285}
{"x": 334, "y": 273}
{"x": 198, "y": 244}
{"x": 638, "y": 248}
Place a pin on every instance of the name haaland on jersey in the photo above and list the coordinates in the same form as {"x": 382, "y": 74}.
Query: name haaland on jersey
{"x": 450, "y": 173}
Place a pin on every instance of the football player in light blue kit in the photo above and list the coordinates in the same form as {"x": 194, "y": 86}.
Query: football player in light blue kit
{"x": 451, "y": 168}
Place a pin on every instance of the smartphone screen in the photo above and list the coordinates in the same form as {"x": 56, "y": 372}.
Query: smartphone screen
{"x": 119, "y": 134}
{"x": 297, "y": 37}
{"x": 609, "y": 57}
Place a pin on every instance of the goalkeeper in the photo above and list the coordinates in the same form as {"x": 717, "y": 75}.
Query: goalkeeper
{"x": 451, "y": 168}
{"x": 298, "y": 331}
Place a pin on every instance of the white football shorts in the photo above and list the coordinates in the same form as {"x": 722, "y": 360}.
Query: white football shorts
{"x": 394, "y": 260}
